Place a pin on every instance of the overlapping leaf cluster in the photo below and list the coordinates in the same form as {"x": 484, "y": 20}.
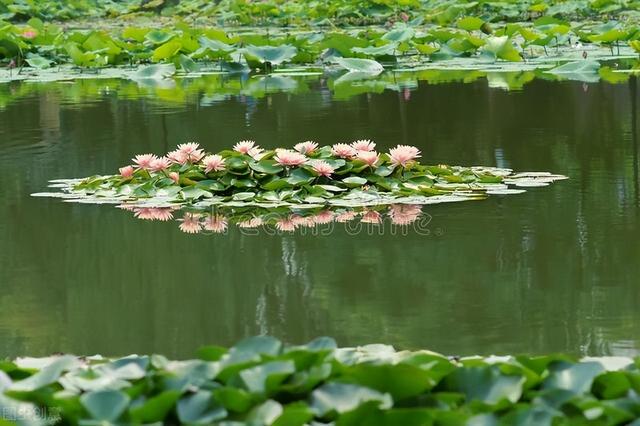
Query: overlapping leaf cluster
{"x": 263, "y": 179}
{"x": 42, "y": 45}
{"x": 262, "y": 382}
{"x": 301, "y": 12}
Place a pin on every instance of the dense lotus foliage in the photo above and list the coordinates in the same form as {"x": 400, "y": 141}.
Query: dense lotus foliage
{"x": 345, "y": 174}
{"x": 302, "y": 12}
{"x": 543, "y": 43}
{"x": 260, "y": 381}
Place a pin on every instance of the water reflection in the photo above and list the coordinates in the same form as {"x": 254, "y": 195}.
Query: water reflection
{"x": 210, "y": 90}
{"x": 553, "y": 269}
{"x": 256, "y": 220}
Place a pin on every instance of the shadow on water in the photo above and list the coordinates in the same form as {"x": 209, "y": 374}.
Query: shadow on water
{"x": 553, "y": 269}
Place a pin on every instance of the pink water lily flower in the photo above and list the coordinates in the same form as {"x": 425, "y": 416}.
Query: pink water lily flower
{"x": 322, "y": 168}
{"x": 30, "y": 33}
{"x": 256, "y": 153}
{"x": 371, "y": 216}
{"x": 126, "y": 172}
{"x": 196, "y": 156}
{"x": 286, "y": 157}
{"x": 243, "y": 147}
{"x": 403, "y": 154}
{"x": 190, "y": 223}
{"x": 175, "y": 177}
{"x": 306, "y": 147}
{"x": 404, "y": 214}
{"x": 369, "y": 157}
{"x": 343, "y": 150}
{"x": 189, "y": 147}
{"x": 192, "y": 151}
{"x": 160, "y": 164}
{"x": 143, "y": 161}
{"x": 213, "y": 163}
{"x": 215, "y": 223}
{"x": 178, "y": 157}
{"x": 363, "y": 145}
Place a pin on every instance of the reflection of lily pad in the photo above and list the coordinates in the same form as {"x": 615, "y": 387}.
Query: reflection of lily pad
{"x": 386, "y": 49}
{"x": 154, "y": 72}
{"x": 360, "y": 65}
{"x": 352, "y": 76}
{"x": 586, "y": 71}
{"x": 274, "y": 55}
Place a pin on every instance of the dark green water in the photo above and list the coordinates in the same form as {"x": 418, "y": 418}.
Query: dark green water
{"x": 554, "y": 269}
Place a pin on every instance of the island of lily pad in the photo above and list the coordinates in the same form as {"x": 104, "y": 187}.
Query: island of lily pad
{"x": 349, "y": 175}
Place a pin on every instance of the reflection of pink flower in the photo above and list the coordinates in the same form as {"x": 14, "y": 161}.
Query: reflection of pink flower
{"x": 306, "y": 147}
{"x": 163, "y": 214}
{"x": 213, "y": 163}
{"x": 126, "y": 172}
{"x": 322, "y": 168}
{"x": 406, "y": 94}
{"x": 404, "y": 214}
{"x": 216, "y": 223}
{"x": 286, "y": 224}
{"x": 343, "y": 150}
{"x": 30, "y": 33}
{"x": 346, "y": 216}
{"x": 175, "y": 177}
{"x": 322, "y": 217}
{"x": 402, "y": 154}
{"x": 369, "y": 157}
{"x": 153, "y": 213}
{"x": 371, "y": 216}
{"x": 190, "y": 223}
{"x": 160, "y": 164}
{"x": 143, "y": 161}
{"x": 306, "y": 221}
{"x": 363, "y": 145}
{"x": 254, "y": 222}
{"x": 178, "y": 157}
{"x": 244, "y": 147}
{"x": 287, "y": 157}
{"x": 144, "y": 213}
{"x": 127, "y": 207}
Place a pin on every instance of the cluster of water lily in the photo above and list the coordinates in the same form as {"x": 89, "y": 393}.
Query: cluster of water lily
{"x": 322, "y": 162}
{"x": 344, "y": 174}
{"x": 218, "y": 220}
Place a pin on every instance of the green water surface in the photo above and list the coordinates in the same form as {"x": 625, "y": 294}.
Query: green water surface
{"x": 554, "y": 269}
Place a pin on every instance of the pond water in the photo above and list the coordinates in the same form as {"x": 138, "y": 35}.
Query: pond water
{"x": 553, "y": 269}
